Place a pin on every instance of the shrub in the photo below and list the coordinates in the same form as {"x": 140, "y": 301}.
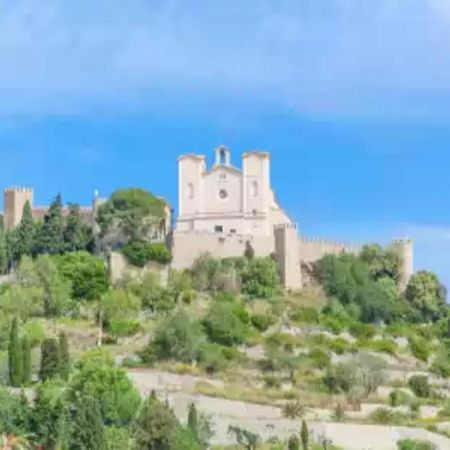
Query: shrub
{"x": 305, "y": 315}
{"x": 420, "y": 348}
{"x": 384, "y": 346}
{"x": 441, "y": 364}
{"x": 409, "y": 444}
{"x": 339, "y": 346}
{"x": 118, "y": 327}
{"x": 384, "y": 416}
{"x": 420, "y": 385}
{"x": 177, "y": 338}
{"x": 318, "y": 358}
{"x": 362, "y": 331}
{"x": 139, "y": 253}
{"x": 262, "y": 322}
{"x": 214, "y": 357}
{"x": 400, "y": 398}
{"x": 294, "y": 410}
{"x": 224, "y": 326}
{"x": 260, "y": 278}
{"x": 272, "y": 382}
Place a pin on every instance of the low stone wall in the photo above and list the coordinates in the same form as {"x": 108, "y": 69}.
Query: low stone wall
{"x": 188, "y": 246}
{"x": 120, "y": 269}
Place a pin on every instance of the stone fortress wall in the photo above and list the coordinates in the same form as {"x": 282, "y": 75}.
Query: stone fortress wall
{"x": 203, "y": 229}
{"x": 222, "y": 211}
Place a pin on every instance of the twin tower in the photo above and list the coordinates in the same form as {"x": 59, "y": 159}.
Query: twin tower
{"x": 223, "y": 209}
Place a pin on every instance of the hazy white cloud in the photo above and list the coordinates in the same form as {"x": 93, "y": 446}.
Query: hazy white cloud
{"x": 316, "y": 56}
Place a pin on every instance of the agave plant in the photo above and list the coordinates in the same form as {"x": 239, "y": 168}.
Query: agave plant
{"x": 294, "y": 410}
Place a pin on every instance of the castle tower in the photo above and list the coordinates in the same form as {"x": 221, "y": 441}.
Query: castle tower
{"x": 190, "y": 188}
{"x": 14, "y": 200}
{"x": 256, "y": 187}
{"x": 405, "y": 249}
{"x": 287, "y": 255}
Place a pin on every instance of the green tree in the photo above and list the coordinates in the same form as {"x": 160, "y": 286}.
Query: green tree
{"x": 304, "y": 435}
{"x": 51, "y": 234}
{"x": 382, "y": 262}
{"x": 119, "y": 307}
{"x": 260, "y": 277}
{"x": 56, "y": 290}
{"x": 15, "y": 355}
{"x": 86, "y": 273}
{"x": 177, "y": 338}
{"x": 15, "y": 413}
{"x": 425, "y": 295}
{"x": 26, "y": 361}
{"x": 96, "y": 376}
{"x": 294, "y": 443}
{"x": 26, "y": 233}
{"x": 156, "y": 426}
{"x": 64, "y": 356}
{"x": 246, "y": 438}
{"x": 4, "y": 258}
{"x": 193, "y": 420}
{"x": 77, "y": 234}
{"x": 133, "y": 213}
{"x": 87, "y": 430}
{"x": 50, "y": 416}
{"x": 224, "y": 326}
{"x": 49, "y": 359}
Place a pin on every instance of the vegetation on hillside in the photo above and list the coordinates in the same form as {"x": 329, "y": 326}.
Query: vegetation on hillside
{"x": 226, "y": 321}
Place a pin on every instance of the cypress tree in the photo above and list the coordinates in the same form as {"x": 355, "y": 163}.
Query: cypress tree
{"x": 49, "y": 359}
{"x": 64, "y": 356}
{"x": 3, "y": 248}
{"x": 51, "y": 233}
{"x": 193, "y": 420}
{"x": 294, "y": 443}
{"x": 26, "y": 361}
{"x": 87, "y": 430}
{"x": 26, "y": 232}
{"x": 305, "y": 435}
{"x": 77, "y": 235}
{"x": 15, "y": 355}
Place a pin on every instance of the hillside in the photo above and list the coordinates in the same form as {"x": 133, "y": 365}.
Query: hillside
{"x": 219, "y": 355}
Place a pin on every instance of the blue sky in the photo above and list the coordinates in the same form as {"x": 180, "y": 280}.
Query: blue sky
{"x": 352, "y": 97}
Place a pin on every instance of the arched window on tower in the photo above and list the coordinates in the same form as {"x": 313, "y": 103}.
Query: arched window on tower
{"x": 255, "y": 189}
{"x": 223, "y": 156}
{"x": 191, "y": 191}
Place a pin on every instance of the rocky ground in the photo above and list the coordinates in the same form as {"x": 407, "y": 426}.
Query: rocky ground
{"x": 267, "y": 421}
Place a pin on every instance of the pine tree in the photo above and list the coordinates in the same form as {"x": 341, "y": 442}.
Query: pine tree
{"x": 49, "y": 359}
{"x": 26, "y": 232}
{"x": 64, "y": 356}
{"x": 305, "y": 435}
{"x": 294, "y": 443}
{"x": 26, "y": 361}
{"x": 3, "y": 248}
{"x": 77, "y": 235}
{"x": 87, "y": 430}
{"x": 51, "y": 233}
{"x": 15, "y": 355}
{"x": 193, "y": 420}
{"x": 156, "y": 426}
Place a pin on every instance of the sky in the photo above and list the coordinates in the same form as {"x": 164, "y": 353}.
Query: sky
{"x": 351, "y": 97}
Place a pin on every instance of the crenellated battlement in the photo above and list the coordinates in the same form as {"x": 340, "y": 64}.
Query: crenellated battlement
{"x": 18, "y": 189}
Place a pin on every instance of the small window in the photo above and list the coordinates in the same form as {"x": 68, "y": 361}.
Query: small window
{"x": 233, "y": 231}
{"x": 191, "y": 191}
{"x": 218, "y": 229}
{"x": 255, "y": 189}
{"x": 223, "y": 176}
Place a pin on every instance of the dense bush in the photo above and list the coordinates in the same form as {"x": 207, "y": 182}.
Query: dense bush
{"x": 362, "y": 331}
{"x": 224, "y": 325}
{"x": 419, "y": 348}
{"x": 260, "y": 278}
{"x": 262, "y": 322}
{"x": 410, "y": 444}
{"x": 214, "y": 357}
{"x": 139, "y": 253}
{"x": 420, "y": 385}
{"x": 305, "y": 315}
{"x": 177, "y": 338}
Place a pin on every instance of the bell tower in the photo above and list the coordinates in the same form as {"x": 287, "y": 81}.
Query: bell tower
{"x": 223, "y": 156}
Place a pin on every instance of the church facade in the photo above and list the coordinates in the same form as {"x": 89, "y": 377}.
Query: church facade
{"x": 224, "y": 209}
